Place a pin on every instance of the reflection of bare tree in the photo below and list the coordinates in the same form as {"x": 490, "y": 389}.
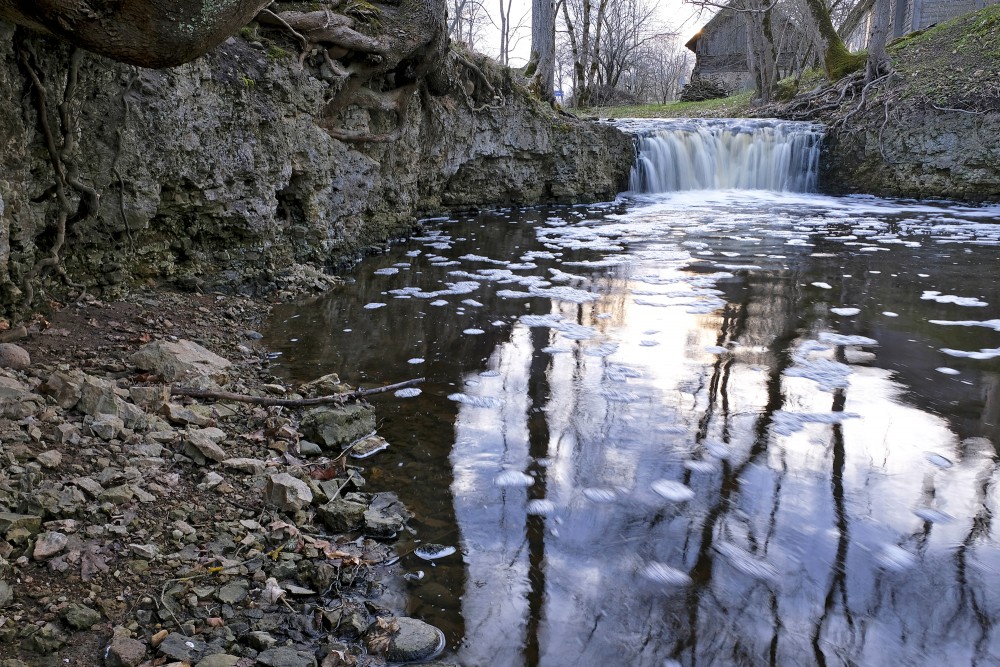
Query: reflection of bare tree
{"x": 838, "y": 588}
{"x": 785, "y": 320}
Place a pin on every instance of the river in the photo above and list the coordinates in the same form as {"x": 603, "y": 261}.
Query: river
{"x": 705, "y": 424}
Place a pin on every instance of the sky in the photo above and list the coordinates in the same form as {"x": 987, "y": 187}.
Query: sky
{"x": 675, "y": 14}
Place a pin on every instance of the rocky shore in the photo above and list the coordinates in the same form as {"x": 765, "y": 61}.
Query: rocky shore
{"x": 139, "y": 526}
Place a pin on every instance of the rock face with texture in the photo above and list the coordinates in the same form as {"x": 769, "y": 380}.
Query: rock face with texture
{"x": 219, "y": 173}
{"x": 180, "y": 360}
{"x": 920, "y": 153}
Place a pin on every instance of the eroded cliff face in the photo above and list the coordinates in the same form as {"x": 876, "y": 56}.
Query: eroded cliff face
{"x": 920, "y": 153}
{"x": 218, "y": 174}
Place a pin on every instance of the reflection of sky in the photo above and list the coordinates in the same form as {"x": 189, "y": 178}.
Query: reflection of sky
{"x": 837, "y": 537}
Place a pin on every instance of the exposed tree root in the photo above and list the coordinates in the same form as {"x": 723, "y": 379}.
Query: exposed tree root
{"x": 64, "y": 166}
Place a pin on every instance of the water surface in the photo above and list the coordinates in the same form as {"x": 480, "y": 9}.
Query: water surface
{"x": 696, "y": 428}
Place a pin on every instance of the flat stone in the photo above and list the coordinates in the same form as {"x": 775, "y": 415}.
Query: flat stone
{"x": 233, "y": 592}
{"x": 28, "y": 522}
{"x": 182, "y": 414}
{"x": 287, "y": 493}
{"x": 47, "y": 639}
{"x": 14, "y": 356}
{"x": 80, "y": 616}
{"x": 386, "y": 515}
{"x": 219, "y": 660}
{"x": 6, "y": 594}
{"x": 48, "y": 545}
{"x": 414, "y": 641}
{"x": 118, "y": 494}
{"x": 286, "y": 657}
{"x": 252, "y": 466}
{"x": 152, "y": 398}
{"x": 125, "y": 652}
{"x": 181, "y": 647}
{"x": 335, "y": 427}
{"x": 181, "y": 360}
{"x": 211, "y": 480}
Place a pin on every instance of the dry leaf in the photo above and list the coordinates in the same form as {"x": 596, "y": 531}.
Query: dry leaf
{"x": 272, "y": 591}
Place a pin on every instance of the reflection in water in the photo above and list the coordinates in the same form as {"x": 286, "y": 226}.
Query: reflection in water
{"x": 713, "y": 428}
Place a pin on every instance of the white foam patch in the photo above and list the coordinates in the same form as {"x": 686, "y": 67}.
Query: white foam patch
{"x": 415, "y": 360}
{"x": 672, "y": 491}
{"x": 889, "y": 313}
{"x": 389, "y": 271}
{"x": 541, "y": 507}
{"x": 488, "y": 402}
{"x": 988, "y": 324}
{"x": 947, "y": 371}
{"x": 982, "y": 354}
{"x": 408, "y": 392}
{"x": 472, "y": 302}
{"x": 934, "y": 295}
{"x": 787, "y": 423}
{"x": 822, "y": 285}
{"x": 895, "y": 558}
{"x": 841, "y": 339}
{"x": 513, "y": 478}
{"x": 662, "y": 573}
{"x": 845, "y": 312}
{"x": 549, "y": 321}
{"x": 745, "y": 562}
{"x": 374, "y": 306}
{"x": 438, "y": 303}
{"x": 473, "y": 332}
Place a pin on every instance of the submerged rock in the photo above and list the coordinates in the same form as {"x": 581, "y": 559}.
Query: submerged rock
{"x": 415, "y": 640}
{"x": 340, "y": 426}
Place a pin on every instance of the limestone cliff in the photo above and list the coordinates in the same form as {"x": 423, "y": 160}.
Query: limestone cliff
{"x": 219, "y": 174}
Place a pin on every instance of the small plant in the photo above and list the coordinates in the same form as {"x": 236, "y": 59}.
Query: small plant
{"x": 247, "y": 81}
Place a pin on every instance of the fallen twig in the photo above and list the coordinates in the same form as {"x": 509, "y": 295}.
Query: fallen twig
{"x": 291, "y": 402}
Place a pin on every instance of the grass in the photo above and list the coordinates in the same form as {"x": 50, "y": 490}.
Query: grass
{"x": 734, "y": 106}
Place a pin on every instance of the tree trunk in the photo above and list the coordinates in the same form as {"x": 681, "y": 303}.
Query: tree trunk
{"x": 837, "y": 60}
{"x": 148, "y": 33}
{"x": 878, "y": 59}
{"x": 541, "y": 68}
{"x": 761, "y": 53}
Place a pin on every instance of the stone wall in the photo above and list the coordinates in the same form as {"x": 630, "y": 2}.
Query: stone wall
{"x": 219, "y": 174}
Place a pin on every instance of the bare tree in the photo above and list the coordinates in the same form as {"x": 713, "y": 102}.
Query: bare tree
{"x": 583, "y": 21}
{"x": 468, "y": 20}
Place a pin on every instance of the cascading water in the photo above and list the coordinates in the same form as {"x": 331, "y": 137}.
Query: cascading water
{"x": 722, "y": 154}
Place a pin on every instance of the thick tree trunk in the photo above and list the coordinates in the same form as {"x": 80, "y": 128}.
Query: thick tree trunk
{"x": 542, "y": 66}
{"x": 878, "y": 58}
{"x": 837, "y": 60}
{"x": 148, "y": 33}
{"x": 761, "y": 52}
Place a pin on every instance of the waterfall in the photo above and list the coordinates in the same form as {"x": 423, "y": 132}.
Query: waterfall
{"x": 719, "y": 154}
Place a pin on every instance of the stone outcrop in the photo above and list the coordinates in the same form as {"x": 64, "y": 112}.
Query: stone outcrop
{"x": 218, "y": 173}
{"x": 921, "y": 153}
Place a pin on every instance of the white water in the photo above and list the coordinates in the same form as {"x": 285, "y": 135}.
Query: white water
{"x": 725, "y": 154}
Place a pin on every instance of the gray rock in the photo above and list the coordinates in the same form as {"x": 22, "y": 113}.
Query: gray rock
{"x": 181, "y": 360}
{"x": 125, "y": 652}
{"x": 50, "y": 458}
{"x": 47, "y": 639}
{"x": 386, "y": 515}
{"x": 80, "y": 616}
{"x": 6, "y": 594}
{"x": 233, "y": 592}
{"x": 219, "y": 660}
{"x": 118, "y": 494}
{"x": 101, "y": 397}
{"x": 152, "y": 398}
{"x": 14, "y": 356}
{"x": 261, "y": 640}
{"x": 48, "y": 545}
{"x": 181, "y": 647}
{"x": 309, "y": 448}
{"x": 65, "y": 387}
{"x": 107, "y": 426}
{"x": 182, "y": 414}
{"x": 414, "y": 641}
{"x": 286, "y": 657}
{"x": 287, "y": 493}
{"x": 16, "y": 400}
{"x": 10, "y": 521}
{"x": 339, "y": 426}
{"x": 252, "y": 466}
{"x": 343, "y": 514}
{"x": 201, "y": 447}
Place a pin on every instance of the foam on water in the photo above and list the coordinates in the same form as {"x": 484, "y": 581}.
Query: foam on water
{"x": 488, "y": 402}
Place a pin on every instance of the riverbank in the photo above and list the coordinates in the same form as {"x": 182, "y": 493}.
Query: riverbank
{"x": 144, "y": 528}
